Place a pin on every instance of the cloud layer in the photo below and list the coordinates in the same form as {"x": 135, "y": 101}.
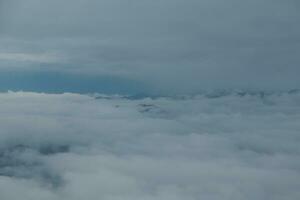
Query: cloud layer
{"x": 236, "y": 146}
{"x": 226, "y": 144}
{"x": 172, "y": 45}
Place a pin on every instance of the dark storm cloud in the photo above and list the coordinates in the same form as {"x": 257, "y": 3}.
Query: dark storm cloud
{"x": 176, "y": 46}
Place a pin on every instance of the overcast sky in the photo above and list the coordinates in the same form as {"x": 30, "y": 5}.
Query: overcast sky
{"x": 166, "y": 46}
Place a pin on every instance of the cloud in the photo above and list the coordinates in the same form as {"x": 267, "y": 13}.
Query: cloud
{"x": 219, "y": 144}
{"x": 22, "y": 57}
{"x": 175, "y": 46}
{"x": 231, "y": 145}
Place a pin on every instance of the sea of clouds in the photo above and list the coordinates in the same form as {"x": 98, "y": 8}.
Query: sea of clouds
{"x": 212, "y": 146}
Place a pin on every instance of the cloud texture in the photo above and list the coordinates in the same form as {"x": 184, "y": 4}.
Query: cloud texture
{"x": 172, "y": 45}
{"x": 235, "y": 146}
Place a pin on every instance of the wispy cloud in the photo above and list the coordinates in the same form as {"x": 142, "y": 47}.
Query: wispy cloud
{"x": 29, "y": 57}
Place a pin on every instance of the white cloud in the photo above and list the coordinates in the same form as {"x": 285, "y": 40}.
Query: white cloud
{"x": 70, "y": 146}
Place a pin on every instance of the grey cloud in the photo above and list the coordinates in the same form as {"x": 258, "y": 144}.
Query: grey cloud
{"x": 176, "y": 46}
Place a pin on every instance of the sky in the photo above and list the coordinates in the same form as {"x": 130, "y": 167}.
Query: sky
{"x": 139, "y": 46}
{"x": 149, "y": 99}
